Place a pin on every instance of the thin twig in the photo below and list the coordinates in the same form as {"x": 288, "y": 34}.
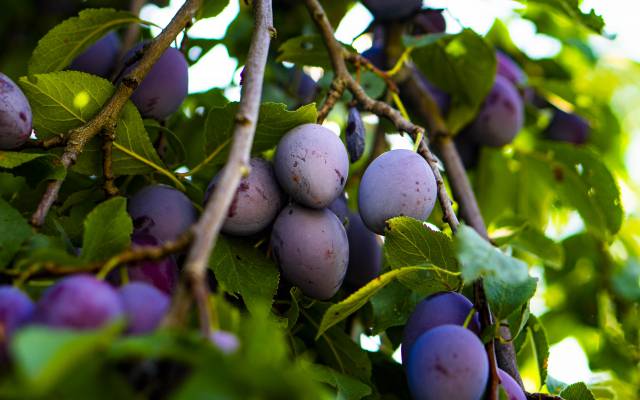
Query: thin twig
{"x": 54, "y": 141}
{"x": 541, "y": 396}
{"x": 79, "y": 137}
{"x": 108, "y": 136}
{"x": 206, "y": 230}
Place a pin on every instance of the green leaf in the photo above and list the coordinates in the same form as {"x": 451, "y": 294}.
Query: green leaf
{"x": 43, "y": 355}
{"x": 64, "y": 100}
{"x": 305, "y": 50}
{"x": 409, "y": 242}
{"x": 478, "y": 258}
{"x": 540, "y": 345}
{"x": 211, "y": 8}
{"x": 581, "y": 180}
{"x": 12, "y": 159}
{"x": 65, "y": 41}
{"x": 505, "y": 297}
{"x": 521, "y": 235}
{"x": 392, "y": 306}
{"x": 462, "y": 65}
{"x": 347, "y": 387}
{"x": 107, "y": 230}
{"x": 577, "y": 391}
{"x": 14, "y": 230}
{"x": 571, "y": 10}
{"x": 242, "y": 269}
{"x": 274, "y": 121}
{"x": 439, "y": 280}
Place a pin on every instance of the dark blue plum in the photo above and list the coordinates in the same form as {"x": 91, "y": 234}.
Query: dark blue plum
{"x": 15, "y": 115}
{"x": 16, "y": 309}
{"x": 144, "y": 307}
{"x": 162, "y": 212}
{"x": 312, "y": 249}
{"x": 79, "y": 302}
{"x": 354, "y": 134}
{"x": 311, "y": 165}
{"x": 448, "y": 362}
{"x": 429, "y": 21}
{"x": 508, "y": 68}
{"x": 365, "y": 253}
{"x": 340, "y": 209}
{"x": 302, "y": 85}
{"x": 468, "y": 150}
{"x": 444, "y": 308}
{"x": 397, "y": 183}
{"x": 165, "y": 87}
{"x": 567, "y": 127}
{"x": 257, "y": 201}
{"x": 385, "y": 10}
{"x": 501, "y": 116}
{"x": 375, "y": 54}
{"x": 514, "y": 391}
{"x": 100, "y": 58}
{"x": 162, "y": 274}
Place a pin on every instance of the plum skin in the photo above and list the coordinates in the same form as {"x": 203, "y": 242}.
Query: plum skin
{"x": 79, "y": 302}
{"x": 365, "y": 253}
{"x": 386, "y": 10}
{"x": 341, "y": 209}
{"x": 16, "y": 309}
{"x": 162, "y": 212}
{"x": 311, "y": 165}
{"x": 144, "y": 307}
{"x": 100, "y": 58}
{"x": 164, "y": 88}
{"x": 312, "y": 249}
{"x": 501, "y": 115}
{"x": 443, "y": 308}
{"x": 508, "y": 68}
{"x": 567, "y": 127}
{"x": 256, "y": 203}
{"x": 162, "y": 274}
{"x": 15, "y": 115}
{"x": 514, "y": 391}
{"x": 397, "y": 183}
{"x": 448, "y": 362}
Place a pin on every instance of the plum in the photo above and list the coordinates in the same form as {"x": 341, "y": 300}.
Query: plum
{"x": 385, "y": 10}
{"x": 256, "y": 203}
{"x": 448, "y": 362}
{"x": 508, "y": 68}
{"x": 16, "y": 309}
{"x": 312, "y": 249}
{"x": 397, "y": 183}
{"x": 514, "y": 391}
{"x": 375, "y": 54}
{"x": 468, "y": 150}
{"x": 340, "y": 209}
{"x": 567, "y": 127}
{"x": 355, "y": 133}
{"x": 311, "y": 165}
{"x": 443, "y": 308}
{"x": 162, "y": 212}
{"x": 100, "y": 58}
{"x": 165, "y": 87}
{"x": 428, "y": 21}
{"x": 365, "y": 253}
{"x": 162, "y": 274}
{"x": 144, "y": 307}
{"x": 501, "y": 116}
{"x": 79, "y": 302}
{"x": 15, "y": 115}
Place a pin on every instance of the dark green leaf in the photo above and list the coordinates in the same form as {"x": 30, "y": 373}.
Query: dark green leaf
{"x": 305, "y": 50}
{"x": 107, "y": 230}
{"x": 540, "y": 345}
{"x": 14, "y": 230}
{"x": 505, "y": 297}
{"x": 211, "y": 8}
{"x": 65, "y": 41}
{"x": 571, "y": 10}
{"x": 242, "y": 269}
{"x": 347, "y": 387}
{"x": 577, "y": 391}
{"x": 12, "y": 159}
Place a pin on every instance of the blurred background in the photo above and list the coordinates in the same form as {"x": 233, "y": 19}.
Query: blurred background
{"x": 594, "y": 334}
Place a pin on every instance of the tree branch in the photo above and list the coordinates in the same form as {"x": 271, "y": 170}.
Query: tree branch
{"x": 108, "y": 136}
{"x": 79, "y": 137}
{"x": 207, "y": 228}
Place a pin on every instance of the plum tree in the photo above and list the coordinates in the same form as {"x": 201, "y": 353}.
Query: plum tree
{"x": 447, "y": 362}
{"x": 162, "y": 274}
{"x": 144, "y": 306}
{"x": 514, "y": 391}
{"x": 162, "y": 212}
{"x": 508, "y": 68}
{"x": 385, "y": 10}
{"x": 443, "y": 308}
{"x": 567, "y": 127}
{"x": 165, "y": 86}
{"x": 312, "y": 249}
{"x": 257, "y": 201}
{"x": 365, "y": 253}
{"x": 15, "y": 115}
{"x": 354, "y": 134}
{"x": 340, "y": 209}
{"x": 78, "y": 302}
{"x": 397, "y": 183}
{"x": 100, "y": 58}
{"x": 311, "y": 165}
{"x": 501, "y": 116}
{"x": 16, "y": 309}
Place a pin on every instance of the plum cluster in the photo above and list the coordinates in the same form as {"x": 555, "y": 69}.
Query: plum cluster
{"x": 443, "y": 355}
